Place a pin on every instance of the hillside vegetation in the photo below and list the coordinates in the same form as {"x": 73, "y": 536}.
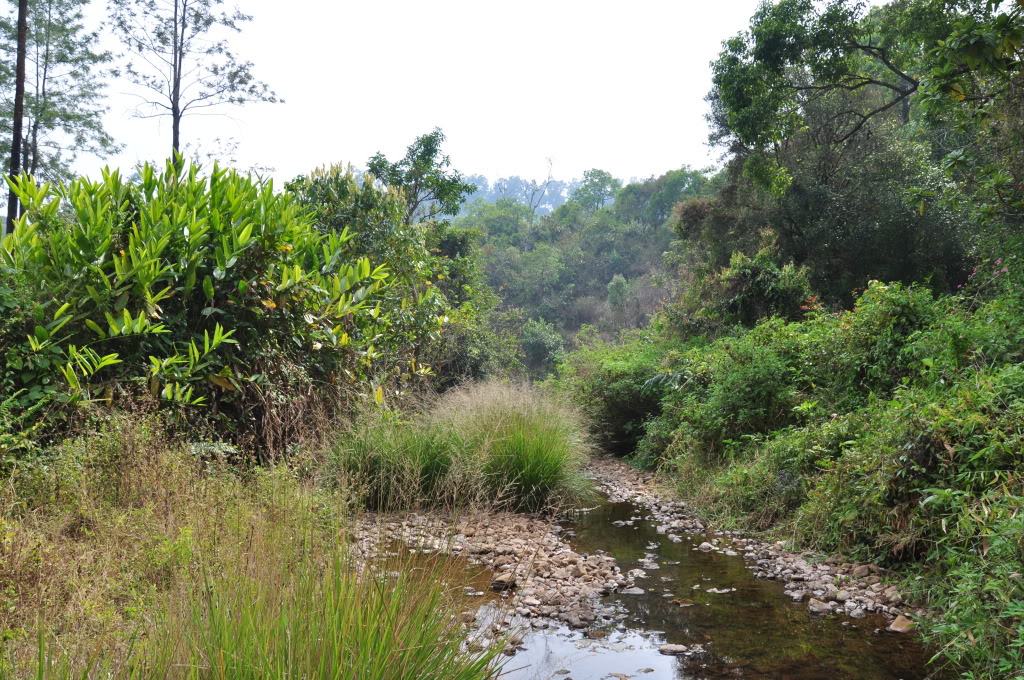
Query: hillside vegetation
{"x": 841, "y": 363}
{"x": 207, "y": 381}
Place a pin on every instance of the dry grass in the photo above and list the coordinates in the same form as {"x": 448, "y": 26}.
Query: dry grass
{"x": 500, "y": 445}
{"x": 130, "y": 552}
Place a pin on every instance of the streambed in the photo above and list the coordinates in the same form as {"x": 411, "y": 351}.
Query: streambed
{"x": 747, "y": 629}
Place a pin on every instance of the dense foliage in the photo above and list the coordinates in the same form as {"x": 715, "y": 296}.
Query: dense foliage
{"x": 217, "y": 296}
{"x": 840, "y": 363}
{"x": 595, "y": 260}
{"x": 821, "y": 339}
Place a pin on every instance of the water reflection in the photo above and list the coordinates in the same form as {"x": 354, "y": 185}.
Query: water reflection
{"x": 752, "y": 632}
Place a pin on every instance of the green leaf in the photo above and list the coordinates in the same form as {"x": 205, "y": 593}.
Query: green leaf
{"x": 95, "y": 328}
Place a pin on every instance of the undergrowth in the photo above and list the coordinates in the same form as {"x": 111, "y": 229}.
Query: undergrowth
{"x": 127, "y": 555}
{"x": 512, "y": 446}
{"x": 889, "y": 433}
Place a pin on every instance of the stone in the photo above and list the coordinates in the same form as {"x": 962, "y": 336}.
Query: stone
{"x": 798, "y": 595}
{"x": 673, "y": 650}
{"x": 595, "y": 634}
{"x": 861, "y": 570}
{"x": 816, "y": 606}
{"x": 901, "y": 625}
{"x": 503, "y": 581}
{"x": 705, "y": 547}
{"x": 634, "y": 591}
{"x": 842, "y": 596}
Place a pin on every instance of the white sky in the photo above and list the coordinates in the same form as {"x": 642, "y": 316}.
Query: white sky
{"x": 615, "y": 85}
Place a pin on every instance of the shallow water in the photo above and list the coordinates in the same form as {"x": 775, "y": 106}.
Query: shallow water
{"x": 753, "y": 632}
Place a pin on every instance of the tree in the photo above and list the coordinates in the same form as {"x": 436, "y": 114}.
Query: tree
{"x": 181, "y": 64}
{"x": 431, "y": 188}
{"x": 618, "y": 290}
{"x": 597, "y": 188}
{"x": 800, "y": 50}
{"x": 650, "y": 202}
{"x": 19, "y": 108}
{"x": 63, "y": 102}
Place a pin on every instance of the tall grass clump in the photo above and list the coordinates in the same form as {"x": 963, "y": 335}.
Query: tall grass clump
{"x": 529, "y": 446}
{"x": 509, "y": 445}
{"x": 312, "y": 619}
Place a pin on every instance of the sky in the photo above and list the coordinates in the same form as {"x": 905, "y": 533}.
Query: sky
{"x": 613, "y": 85}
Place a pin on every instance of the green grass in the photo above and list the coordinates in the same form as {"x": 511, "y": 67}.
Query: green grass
{"x": 325, "y": 622}
{"x": 512, "y": 446}
{"x": 126, "y": 556}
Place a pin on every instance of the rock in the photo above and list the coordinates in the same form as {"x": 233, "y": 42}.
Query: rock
{"x": 901, "y": 625}
{"x": 673, "y": 650}
{"x": 798, "y": 595}
{"x": 842, "y": 596}
{"x": 893, "y": 595}
{"x": 634, "y": 591}
{"x": 705, "y": 547}
{"x": 503, "y": 581}
{"x": 860, "y": 571}
{"x": 816, "y": 606}
{"x": 858, "y": 613}
{"x": 595, "y": 634}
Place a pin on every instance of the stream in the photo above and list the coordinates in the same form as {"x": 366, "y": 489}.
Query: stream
{"x": 752, "y": 630}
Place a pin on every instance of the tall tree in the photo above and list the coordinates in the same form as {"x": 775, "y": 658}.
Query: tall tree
{"x": 19, "y": 109}
{"x": 597, "y": 189}
{"x": 181, "y": 63}
{"x": 64, "y": 86}
{"x": 431, "y": 188}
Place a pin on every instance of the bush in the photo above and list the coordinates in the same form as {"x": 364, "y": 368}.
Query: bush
{"x": 609, "y": 382}
{"x": 742, "y": 293}
{"x": 506, "y": 445}
{"x": 195, "y": 291}
{"x": 542, "y": 346}
{"x": 890, "y": 433}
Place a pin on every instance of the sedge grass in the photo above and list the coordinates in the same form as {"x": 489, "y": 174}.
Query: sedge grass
{"x": 506, "y": 445}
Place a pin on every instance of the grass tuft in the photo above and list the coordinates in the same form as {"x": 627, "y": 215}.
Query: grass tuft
{"x": 508, "y": 445}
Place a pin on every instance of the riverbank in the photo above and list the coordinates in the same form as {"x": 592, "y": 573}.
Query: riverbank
{"x": 539, "y": 576}
{"x": 826, "y": 584}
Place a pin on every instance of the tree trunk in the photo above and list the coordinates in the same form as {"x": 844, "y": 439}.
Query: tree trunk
{"x": 41, "y": 98}
{"x": 19, "y": 110}
{"x": 175, "y": 131}
{"x": 177, "y": 57}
